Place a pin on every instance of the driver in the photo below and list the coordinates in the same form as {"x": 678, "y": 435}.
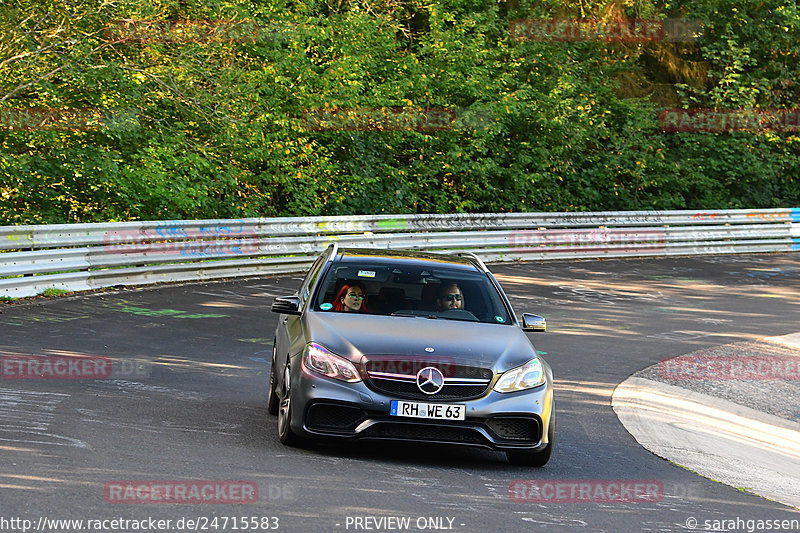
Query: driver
{"x": 450, "y": 297}
{"x": 351, "y": 298}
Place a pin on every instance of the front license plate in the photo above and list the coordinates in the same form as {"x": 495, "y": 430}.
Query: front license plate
{"x": 435, "y": 411}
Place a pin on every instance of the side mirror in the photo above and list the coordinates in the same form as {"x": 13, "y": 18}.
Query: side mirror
{"x": 531, "y": 322}
{"x": 286, "y": 305}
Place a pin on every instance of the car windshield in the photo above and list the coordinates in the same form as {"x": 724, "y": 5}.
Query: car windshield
{"x": 416, "y": 291}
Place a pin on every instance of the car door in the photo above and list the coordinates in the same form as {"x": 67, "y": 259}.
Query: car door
{"x": 289, "y": 333}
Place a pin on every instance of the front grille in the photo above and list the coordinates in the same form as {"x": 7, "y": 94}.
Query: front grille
{"x": 323, "y": 416}
{"x": 398, "y": 378}
{"x": 425, "y": 432}
{"x": 406, "y": 389}
{"x": 515, "y": 428}
{"x": 413, "y": 364}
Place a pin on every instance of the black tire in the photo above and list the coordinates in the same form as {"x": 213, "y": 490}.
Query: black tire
{"x": 272, "y": 394}
{"x": 535, "y": 459}
{"x": 285, "y": 433}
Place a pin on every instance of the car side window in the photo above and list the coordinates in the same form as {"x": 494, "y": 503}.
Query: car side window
{"x": 305, "y": 288}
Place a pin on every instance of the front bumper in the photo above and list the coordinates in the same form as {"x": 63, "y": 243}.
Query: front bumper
{"x": 351, "y": 411}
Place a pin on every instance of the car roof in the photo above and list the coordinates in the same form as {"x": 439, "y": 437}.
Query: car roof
{"x": 405, "y": 257}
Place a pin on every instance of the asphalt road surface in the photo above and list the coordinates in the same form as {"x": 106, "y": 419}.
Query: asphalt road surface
{"x": 184, "y": 408}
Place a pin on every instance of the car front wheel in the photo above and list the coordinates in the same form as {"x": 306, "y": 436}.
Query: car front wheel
{"x": 285, "y": 433}
{"x": 272, "y": 395}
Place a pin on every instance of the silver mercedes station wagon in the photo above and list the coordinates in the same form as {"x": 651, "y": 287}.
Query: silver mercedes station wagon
{"x": 409, "y": 346}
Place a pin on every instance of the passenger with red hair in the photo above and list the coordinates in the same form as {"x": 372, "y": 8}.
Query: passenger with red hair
{"x": 350, "y": 298}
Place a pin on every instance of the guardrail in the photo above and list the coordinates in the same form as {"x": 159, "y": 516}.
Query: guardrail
{"x": 89, "y": 256}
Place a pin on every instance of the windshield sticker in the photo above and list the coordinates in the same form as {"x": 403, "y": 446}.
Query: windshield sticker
{"x": 500, "y": 319}
{"x": 366, "y": 274}
{"x": 326, "y": 307}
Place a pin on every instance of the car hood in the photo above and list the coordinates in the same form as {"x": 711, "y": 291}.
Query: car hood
{"x": 359, "y": 337}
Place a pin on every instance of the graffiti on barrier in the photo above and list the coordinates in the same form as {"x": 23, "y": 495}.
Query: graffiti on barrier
{"x": 764, "y": 215}
{"x": 173, "y": 237}
{"x": 619, "y": 240}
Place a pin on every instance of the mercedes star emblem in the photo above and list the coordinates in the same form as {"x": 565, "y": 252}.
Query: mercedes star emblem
{"x": 430, "y": 380}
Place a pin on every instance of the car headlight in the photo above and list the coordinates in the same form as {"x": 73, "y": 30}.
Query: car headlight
{"x": 527, "y": 376}
{"x": 318, "y": 359}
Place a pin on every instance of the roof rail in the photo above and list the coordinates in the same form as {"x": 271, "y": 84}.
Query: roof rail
{"x": 334, "y": 251}
{"x": 474, "y": 257}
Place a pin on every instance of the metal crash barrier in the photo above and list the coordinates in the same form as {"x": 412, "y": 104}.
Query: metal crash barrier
{"x": 78, "y": 257}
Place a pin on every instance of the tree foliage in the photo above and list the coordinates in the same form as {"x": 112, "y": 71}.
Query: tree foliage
{"x": 209, "y": 113}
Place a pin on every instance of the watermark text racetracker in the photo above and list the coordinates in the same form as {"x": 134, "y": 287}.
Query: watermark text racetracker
{"x": 689, "y": 368}
{"x": 180, "y": 492}
{"x": 610, "y": 240}
{"x": 68, "y": 119}
{"x": 195, "y": 31}
{"x": 729, "y": 120}
{"x": 394, "y": 118}
{"x": 45, "y": 524}
{"x": 70, "y": 367}
{"x": 210, "y": 239}
{"x": 632, "y": 30}
{"x": 586, "y": 490}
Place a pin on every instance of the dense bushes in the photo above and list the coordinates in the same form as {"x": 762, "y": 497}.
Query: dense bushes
{"x": 198, "y": 125}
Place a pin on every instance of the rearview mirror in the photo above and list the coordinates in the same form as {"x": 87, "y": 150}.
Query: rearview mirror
{"x": 531, "y": 322}
{"x": 286, "y": 305}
